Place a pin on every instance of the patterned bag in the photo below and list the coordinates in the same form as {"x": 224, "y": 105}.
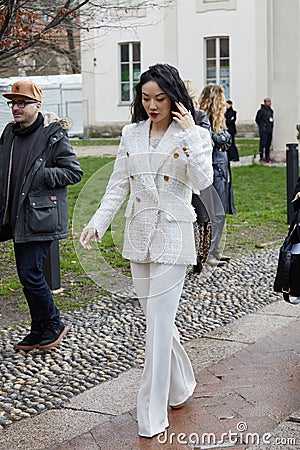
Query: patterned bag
{"x": 202, "y": 234}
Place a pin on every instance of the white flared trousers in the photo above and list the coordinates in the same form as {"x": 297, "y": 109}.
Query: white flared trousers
{"x": 167, "y": 378}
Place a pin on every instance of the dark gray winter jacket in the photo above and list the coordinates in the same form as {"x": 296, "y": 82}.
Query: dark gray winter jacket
{"x": 42, "y": 212}
{"x": 222, "y": 174}
{"x": 264, "y": 119}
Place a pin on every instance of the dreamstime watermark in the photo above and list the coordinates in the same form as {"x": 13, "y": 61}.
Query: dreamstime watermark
{"x": 226, "y": 439}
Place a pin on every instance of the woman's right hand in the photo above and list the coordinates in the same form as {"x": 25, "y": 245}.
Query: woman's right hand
{"x": 297, "y": 195}
{"x": 86, "y": 236}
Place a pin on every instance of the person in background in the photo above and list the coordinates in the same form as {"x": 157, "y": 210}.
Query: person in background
{"x": 230, "y": 118}
{"x": 37, "y": 165}
{"x": 162, "y": 155}
{"x": 212, "y": 101}
{"x": 265, "y": 121}
{"x": 202, "y": 231}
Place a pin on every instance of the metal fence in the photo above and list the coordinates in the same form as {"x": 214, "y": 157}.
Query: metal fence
{"x": 62, "y": 95}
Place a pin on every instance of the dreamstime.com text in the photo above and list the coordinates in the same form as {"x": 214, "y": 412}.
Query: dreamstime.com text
{"x": 210, "y": 440}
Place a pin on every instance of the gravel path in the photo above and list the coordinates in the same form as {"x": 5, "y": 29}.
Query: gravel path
{"x": 107, "y": 338}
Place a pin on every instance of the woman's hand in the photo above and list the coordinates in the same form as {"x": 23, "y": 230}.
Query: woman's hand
{"x": 297, "y": 195}
{"x": 86, "y": 236}
{"x": 184, "y": 117}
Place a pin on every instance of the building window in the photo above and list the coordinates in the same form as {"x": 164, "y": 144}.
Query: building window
{"x": 218, "y": 62}
{"x": 211, "y": 5}
{"x": 130, "y": 69}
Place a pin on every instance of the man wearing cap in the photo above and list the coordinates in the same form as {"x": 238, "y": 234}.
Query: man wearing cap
{"x": 37, "y": 164}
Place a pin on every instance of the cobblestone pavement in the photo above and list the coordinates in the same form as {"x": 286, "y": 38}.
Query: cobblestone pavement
{"x": 107, "y": 337}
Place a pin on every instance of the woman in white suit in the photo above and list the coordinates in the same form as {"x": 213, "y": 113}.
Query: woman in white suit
{"x": 162, "y": 157}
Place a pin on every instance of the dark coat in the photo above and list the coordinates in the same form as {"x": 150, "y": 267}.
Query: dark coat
{"x": 42, "y": 212}
{"x": 222, "y": 174}
{"x": 202, "y": 120}
{"x": 264, "y": 119}
{"x": 230, "y": 117}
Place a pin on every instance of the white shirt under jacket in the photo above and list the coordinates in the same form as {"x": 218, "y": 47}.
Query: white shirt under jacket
{"x": 159, "y": 214}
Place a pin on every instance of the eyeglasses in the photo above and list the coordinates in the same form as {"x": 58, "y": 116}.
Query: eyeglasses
{"x": 20, "y": 103}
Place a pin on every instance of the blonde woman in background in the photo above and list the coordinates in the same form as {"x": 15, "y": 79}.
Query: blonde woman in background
{"x": 201, "y": 201}
{"x": 212, "y": 101}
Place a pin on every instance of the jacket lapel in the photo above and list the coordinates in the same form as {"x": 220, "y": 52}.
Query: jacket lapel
{"x": 164, "y": 148}
{"x": 145, "y": 171}
{"x": 149, "y": 168}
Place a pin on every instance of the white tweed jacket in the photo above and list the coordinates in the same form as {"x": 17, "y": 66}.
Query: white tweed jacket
{"x": 159, "y": 214}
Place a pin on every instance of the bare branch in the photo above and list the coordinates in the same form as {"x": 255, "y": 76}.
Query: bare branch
{"x": 26, "y": 24}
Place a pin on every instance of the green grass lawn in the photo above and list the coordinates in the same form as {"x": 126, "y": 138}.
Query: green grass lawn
{"x": 247, "y": 147}
{"x": 260, "y": 200}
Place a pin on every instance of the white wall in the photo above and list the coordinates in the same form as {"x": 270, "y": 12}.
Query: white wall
{"x": 286, "y": 73}
{"x": 239, "y": 25}
{"x": 179, "y": 40}
{"x": 101, "y": 81}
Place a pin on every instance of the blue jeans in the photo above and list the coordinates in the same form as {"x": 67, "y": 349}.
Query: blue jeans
{"x": 30, "y": 258}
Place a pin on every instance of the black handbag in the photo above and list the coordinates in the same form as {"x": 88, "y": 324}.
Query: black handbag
{"x": 287, "y": 280}
{"x": 201, "y": 211}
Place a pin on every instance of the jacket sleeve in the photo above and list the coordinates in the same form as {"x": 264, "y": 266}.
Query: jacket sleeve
{"x": 115, "y": 193}
{"x": 202, "y": 120}
{"x": 258, "y": 117}
{"x": 9, "y": 125}
{"x": 222, "y": 141}
{"x": 66, "y": 168}
{"x": 198, "y": 149}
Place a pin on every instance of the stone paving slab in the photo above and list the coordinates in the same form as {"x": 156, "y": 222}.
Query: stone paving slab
{"x": 101, "y": 150}
{"x": 48, "y": 429}
{"x": 108, "y": 398}
{"x": 252, "y": 329}
{"x": 80, "y": 414}
{"x": 281, "y": 308}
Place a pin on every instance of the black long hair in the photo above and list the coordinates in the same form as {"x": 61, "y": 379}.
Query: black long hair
{"x": 168, "y": 79}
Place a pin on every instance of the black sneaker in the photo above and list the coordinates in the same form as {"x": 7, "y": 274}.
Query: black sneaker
{"x": 52, "y": 335}
{"x": 31, "y": 341}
